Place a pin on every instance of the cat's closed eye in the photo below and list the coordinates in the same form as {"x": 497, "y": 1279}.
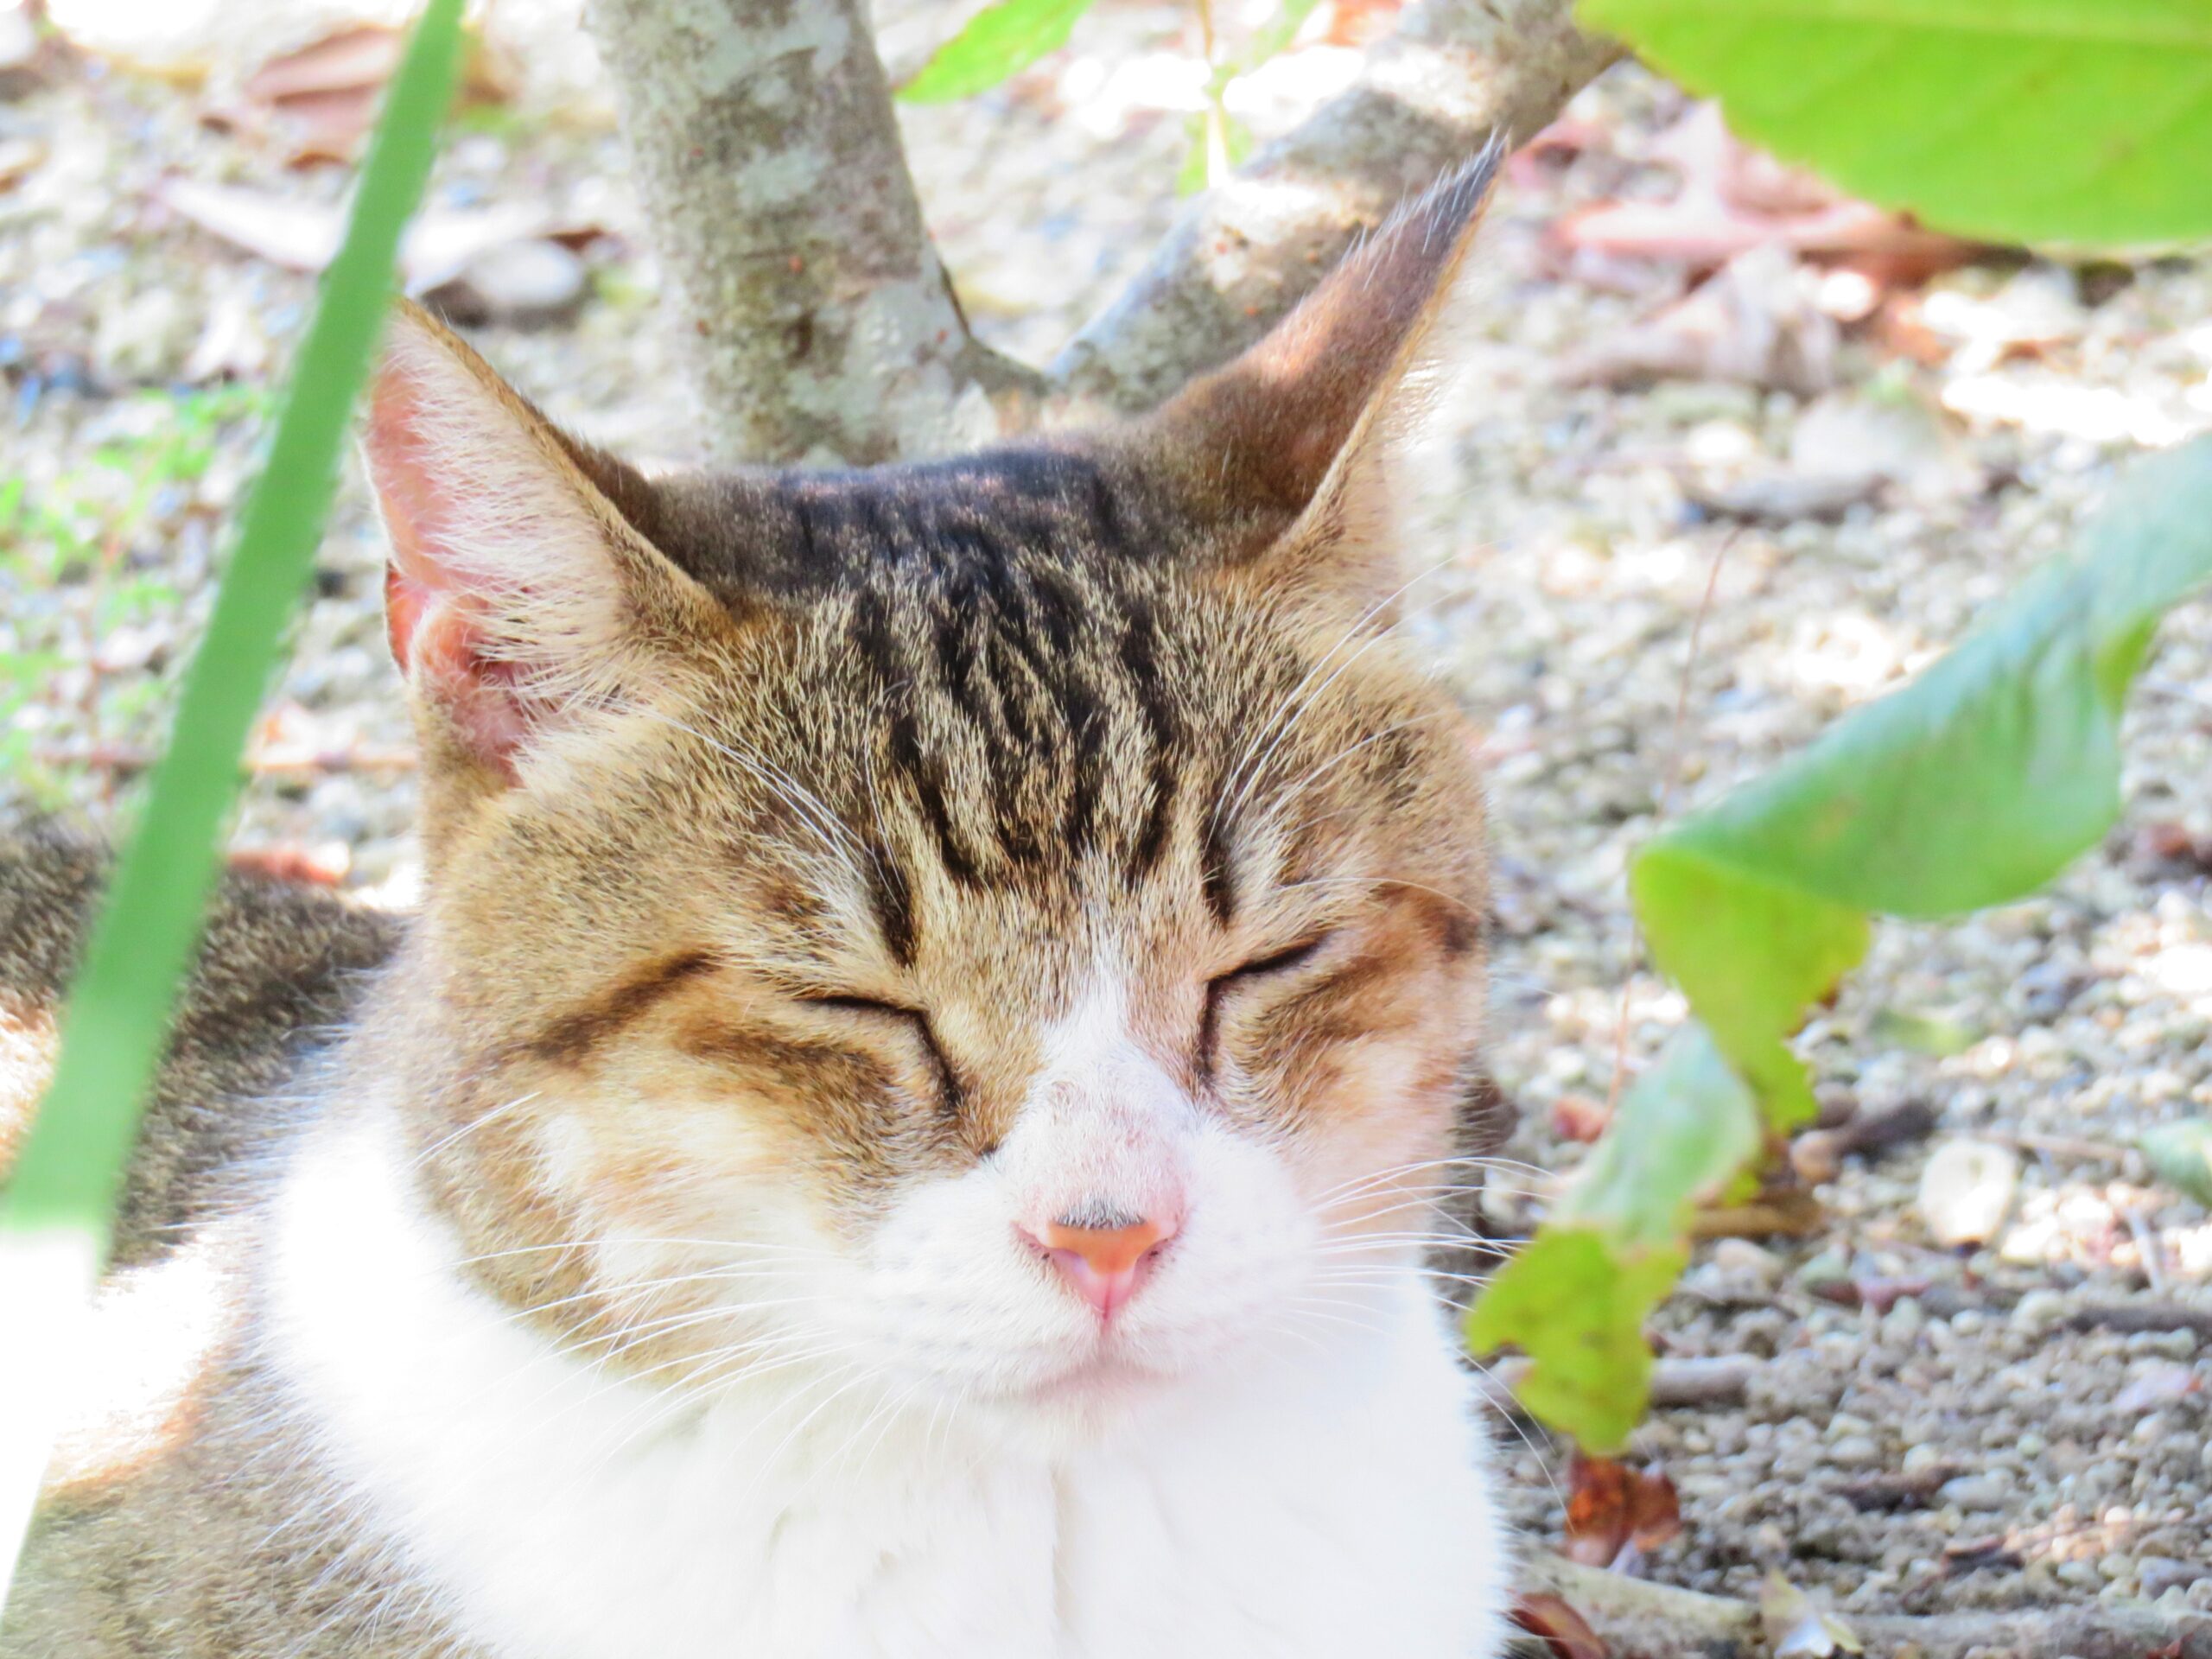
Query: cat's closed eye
{"x": 916, "y": 1020}
{"x": 1279, "y": 964}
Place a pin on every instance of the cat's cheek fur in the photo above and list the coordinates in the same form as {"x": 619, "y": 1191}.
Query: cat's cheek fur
{"x": 1297, "y": 1500}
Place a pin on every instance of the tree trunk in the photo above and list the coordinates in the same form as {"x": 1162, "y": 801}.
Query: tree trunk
{"x": 811, "y": 308}
{"x": 813, "y": 311}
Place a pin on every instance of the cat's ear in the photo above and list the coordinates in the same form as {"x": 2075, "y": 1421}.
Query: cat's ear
{"x": 1288, "y": 449}
{"x": 518, "y": 596}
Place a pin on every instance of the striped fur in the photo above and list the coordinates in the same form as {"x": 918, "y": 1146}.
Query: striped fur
{"x": 830, "y": 875}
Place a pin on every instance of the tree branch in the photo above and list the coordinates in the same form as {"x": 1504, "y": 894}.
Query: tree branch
{"x": 813, "y": 313}
{"x": 1244, "y": 254}
{"x": 1637, "y": 1618}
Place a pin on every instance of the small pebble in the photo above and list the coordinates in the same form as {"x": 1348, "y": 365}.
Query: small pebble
{"x": 1966, "y": 1191}
{"x": 1740, "y": 1258}
{"x": 2160, "y": 1573}
{"x": 2039, "y": 1310}
{"x": 1855, "y": 1452}
{"x": 1985, "y": 1491}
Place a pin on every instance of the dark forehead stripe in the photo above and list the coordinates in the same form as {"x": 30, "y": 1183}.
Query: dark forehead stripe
{"x": 1004, "y": 603}
{"x": 953, "y": 518}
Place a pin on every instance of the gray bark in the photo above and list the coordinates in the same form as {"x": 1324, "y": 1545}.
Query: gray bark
{"x": 811, "y": 310}
{"x": 1242, "y": 255}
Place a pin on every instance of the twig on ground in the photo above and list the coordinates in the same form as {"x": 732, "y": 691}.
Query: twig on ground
{"x": 1642, "y": 1620}
{"x": 1675, "y": 1383}
{"x": 2059, "y": 1146}
{"x": 2131, "y": 1317}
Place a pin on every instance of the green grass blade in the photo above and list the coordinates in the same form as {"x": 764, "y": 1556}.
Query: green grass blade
{"x": 59, "y": 1216}
{"x": 1000, "y": 41}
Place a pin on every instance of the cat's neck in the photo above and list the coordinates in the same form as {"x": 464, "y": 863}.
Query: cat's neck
{"x": 809, "y": 1510}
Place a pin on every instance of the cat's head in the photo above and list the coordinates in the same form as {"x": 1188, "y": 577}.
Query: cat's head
{"x": 1011, "y": 925}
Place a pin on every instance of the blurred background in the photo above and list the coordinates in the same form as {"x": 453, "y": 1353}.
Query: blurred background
{"x": 1688, "y": 367}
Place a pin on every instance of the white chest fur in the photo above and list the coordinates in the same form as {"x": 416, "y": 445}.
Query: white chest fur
{"x": 1324, "y": 1508}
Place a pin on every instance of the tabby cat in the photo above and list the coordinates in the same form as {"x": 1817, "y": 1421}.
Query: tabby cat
{"x": 907, "y": 1122}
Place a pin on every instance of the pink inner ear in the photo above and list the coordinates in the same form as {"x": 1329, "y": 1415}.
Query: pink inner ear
{"x": 432, "y": 618}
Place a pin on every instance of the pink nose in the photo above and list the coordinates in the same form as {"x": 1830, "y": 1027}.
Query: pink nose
{"x": 1104, "y": 1265}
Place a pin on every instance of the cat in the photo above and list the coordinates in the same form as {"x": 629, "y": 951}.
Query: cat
{"x": 907, "y": 1122}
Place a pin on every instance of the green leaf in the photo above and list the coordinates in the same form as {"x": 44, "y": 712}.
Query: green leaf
{"x": 1272, "y": 36}
{"x": 1925, "y": 1033}
{"x": 2180, "y": 1154}
{"x": 1576, "y": 1298}
{"x": 1971, "y": 786}
{"x": 1575, "y": 1302}
{"x": 1687, "y": 1126}
{"x": 58, "y": 1215}
{"x": 999, "y": 41}
{"x": 2075, "y": 121}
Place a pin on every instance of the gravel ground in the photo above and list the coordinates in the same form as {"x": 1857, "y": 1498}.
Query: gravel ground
{"x": 2056, "y": 1458}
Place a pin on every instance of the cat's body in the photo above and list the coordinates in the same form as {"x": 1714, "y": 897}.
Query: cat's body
{"x": 910, "y": 1121}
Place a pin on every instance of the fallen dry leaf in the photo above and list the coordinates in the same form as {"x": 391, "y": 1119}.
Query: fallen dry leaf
{"x": 1578, "y": 1118}
{"x": 1754, "y": 321}
{"x": 19, "y": 158}
{"x": 324, "y": 865}
{"x": 351, "y": 59}
{"x": 1734, "y": 198}
{"x": 302, "y": 235}
{"x": 1563, "y": 1630}
{"x": 324, "y": 95}
{"x": 2170, "y": 843}
{"x": 1610, "y": 1507}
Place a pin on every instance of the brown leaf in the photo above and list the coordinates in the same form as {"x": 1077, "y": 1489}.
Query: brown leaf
{"x": 1734, "y": 199}
{"x": 2169, "y": 842}
{"x": 19, "y": 158}
{"x": 321, "y": 865}
{"x": 1360, "y": 23}
{"x": 1562, "y": 1630}
{"x": 1754, "y": 321}
{"x": 1658, "y": 1510}
{"x": 1578, "y": 1118}
{"x": 328, "y": 93}
{"x": 348, "y": 61}
{"x": 1611, "y": 1507}
{"x": 1600, "y": 1509}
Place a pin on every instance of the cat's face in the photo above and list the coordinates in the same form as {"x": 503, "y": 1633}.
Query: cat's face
{"x": 1005, "y": 931}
